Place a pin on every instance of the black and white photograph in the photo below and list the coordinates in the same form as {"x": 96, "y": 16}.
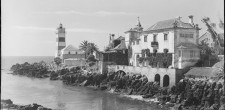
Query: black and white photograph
{"x": 112, "y": 55}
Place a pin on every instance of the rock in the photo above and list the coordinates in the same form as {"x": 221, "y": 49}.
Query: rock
{"x": 7, "y": 101}
{"x": 103, "y": 87}
{"x": 83, "y": 83}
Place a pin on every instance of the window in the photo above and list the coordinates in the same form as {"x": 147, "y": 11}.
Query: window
{"x": 137, "y": 42}
{"x": 145, "y": 38}
{"x": 133, "y": 42}
{"x": 192, "y": 53}
{"x": 68, "y": 52}
{"x": 154, "y": 38}
{"x": 179, "y": 52}
{"x": 165, "y": 36}
{"x": 186, "y": 35}
{"x": 76, "y": 52}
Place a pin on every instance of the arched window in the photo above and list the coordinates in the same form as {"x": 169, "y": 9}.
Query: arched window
{"x": 166, "y": 81}
{"x": 166, "y": 50}
{"x": 157, "y": 78}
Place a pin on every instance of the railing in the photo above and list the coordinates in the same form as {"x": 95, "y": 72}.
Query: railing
{"x": 154, "y": 44}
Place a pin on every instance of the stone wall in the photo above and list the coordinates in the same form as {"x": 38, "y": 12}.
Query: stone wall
{"x": 74, "y": 62}
{"x": 149, "y": 72}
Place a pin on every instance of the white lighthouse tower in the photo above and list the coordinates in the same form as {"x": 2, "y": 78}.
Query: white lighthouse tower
{"x": 60, "y": 40}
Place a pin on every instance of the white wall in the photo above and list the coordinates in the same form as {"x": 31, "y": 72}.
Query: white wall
{"x": 72, "y": 52}
{"x": 163, "y": 44}
{"x": 187, "y": 31}
{"x": 148, "y": 72}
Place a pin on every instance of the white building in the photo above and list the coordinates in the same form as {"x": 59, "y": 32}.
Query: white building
{"x": 173, "y": 35}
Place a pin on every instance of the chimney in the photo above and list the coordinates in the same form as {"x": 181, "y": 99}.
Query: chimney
{"x": 178, "y": 17}
{"x": 112, "y": 38}
{"x": 191, "y": 19}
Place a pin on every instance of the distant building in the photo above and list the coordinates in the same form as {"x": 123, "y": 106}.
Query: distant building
{"x": 72, "y": 54}
{"x": 207, "y": 37}
{"x": 116, "y": 53}
{"x": 60, "y": 40}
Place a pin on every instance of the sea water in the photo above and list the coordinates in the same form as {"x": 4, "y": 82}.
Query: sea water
{"x": 56, "y": 95}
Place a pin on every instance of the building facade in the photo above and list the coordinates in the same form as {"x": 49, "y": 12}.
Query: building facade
{"x": 163, "y": 52}
{"x": 172, "y": 36}
{"x": 71, "y": 52}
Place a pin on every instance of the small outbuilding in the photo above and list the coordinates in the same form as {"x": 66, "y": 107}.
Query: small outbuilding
{"x": 203, "y": 73}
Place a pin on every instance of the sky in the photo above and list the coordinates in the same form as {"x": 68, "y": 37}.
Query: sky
{"x": 28, "y": 27}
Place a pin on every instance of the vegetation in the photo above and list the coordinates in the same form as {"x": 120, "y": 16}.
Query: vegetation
{"x": 92, "y": 47}
{"x": 84, "y": 46}
{"x": 91, "y": 58}
{"x": 155, "y": 59}
{"x": 208, "y": 56}
{"x": 38, "y": 70}
{"x": 57, "y": 61}
{"x": 88, "y": 48}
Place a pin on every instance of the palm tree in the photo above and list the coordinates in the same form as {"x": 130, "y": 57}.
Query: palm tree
{"x": 84, "y": 46}
{"x": 91, "y": 48}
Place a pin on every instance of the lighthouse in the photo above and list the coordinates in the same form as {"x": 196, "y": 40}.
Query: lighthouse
{"x": 60, "y": 40}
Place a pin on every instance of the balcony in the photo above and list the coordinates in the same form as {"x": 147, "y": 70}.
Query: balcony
{"x": 154, "y": 44}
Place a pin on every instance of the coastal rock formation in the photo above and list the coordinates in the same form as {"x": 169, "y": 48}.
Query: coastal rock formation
{"x": 8, "y": 104}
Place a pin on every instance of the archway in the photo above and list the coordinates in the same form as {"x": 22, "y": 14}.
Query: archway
{"x": 166, "y": 81}
{"x": 120, "y": 73}
{"x": 157, "y": 78}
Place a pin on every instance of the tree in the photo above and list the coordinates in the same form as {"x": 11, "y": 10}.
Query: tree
{"x": 92, "y": 47}
{"x": 207, "y": 54}
{"x": 221, "y": 24}
{"x": 57, "y": 61}
{"x": 91, "y": 58}
{"x": 84, "y": 46}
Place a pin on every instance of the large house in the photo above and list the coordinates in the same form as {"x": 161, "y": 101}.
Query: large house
{"x": 172, "y": 36}
{"x": 162, "y": 52}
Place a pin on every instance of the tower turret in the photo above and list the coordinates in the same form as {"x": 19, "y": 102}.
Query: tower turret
{"x": 60, "y": 40}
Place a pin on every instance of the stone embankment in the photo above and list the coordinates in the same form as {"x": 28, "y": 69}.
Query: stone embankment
{"x": 8, "y": 105}
{"x": 187, "y": 94}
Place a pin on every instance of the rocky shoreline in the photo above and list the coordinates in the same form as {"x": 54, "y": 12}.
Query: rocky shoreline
{"x": 9, "y": 105}
{"x": 188, "y": 94}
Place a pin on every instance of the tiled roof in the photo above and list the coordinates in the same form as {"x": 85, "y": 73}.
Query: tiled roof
{"x": 219, "y": 64}
{"x": 203, "y": 71}
{"x": 187, "y": 45}
{"x": 120, "y": 38}
{"x": 70, "y": 48}
{"x": 121, "y": 46}
{"x": 169, "y": 24}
